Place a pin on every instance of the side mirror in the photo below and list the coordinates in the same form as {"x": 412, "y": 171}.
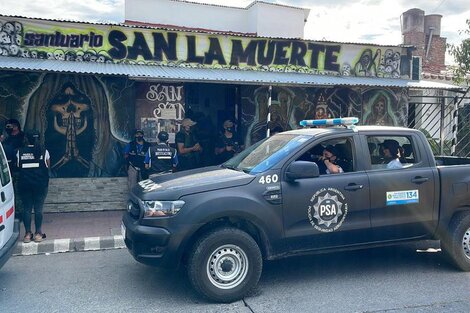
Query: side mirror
{"x": 302, "y": 169}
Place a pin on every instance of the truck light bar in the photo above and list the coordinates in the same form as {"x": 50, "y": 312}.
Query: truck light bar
{"x": 346, "y": 121}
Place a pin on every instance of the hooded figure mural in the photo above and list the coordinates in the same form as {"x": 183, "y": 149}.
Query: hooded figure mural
{"x": 72, "y": 112}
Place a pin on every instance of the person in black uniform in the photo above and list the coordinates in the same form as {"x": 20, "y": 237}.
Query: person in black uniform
{"x": 228, "y": 143}
{"x": 161, "y": 158}
{"x": 188, "y": 146}
{"x": 134, "y": 153}
{"x": 33, "y": 163}
{"x": 11, "y": 143}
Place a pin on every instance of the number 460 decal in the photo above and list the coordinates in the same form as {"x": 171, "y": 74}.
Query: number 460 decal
{"x": 268, "y": 179}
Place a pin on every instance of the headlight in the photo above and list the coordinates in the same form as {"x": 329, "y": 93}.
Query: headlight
{"x": 161, "y": 208}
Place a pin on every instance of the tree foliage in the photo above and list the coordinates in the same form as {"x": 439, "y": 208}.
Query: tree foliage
{"x": 461, "y": 54}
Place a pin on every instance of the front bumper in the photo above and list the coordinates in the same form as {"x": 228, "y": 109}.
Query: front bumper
{"x": 149, "y": 245}
{"x": 7, "y": 249}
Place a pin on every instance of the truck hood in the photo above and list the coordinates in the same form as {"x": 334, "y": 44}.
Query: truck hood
{"x": 175, "y": 185}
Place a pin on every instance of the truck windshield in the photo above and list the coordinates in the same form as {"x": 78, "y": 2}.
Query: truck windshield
{"x": 265, "y": 154}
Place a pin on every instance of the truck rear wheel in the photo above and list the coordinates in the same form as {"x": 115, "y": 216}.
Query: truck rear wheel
{"x": 225, "y": 265}
{"x": 457, "y": 246}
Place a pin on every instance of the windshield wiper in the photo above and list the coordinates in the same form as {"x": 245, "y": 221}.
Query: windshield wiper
{"x": 230, "y": 167}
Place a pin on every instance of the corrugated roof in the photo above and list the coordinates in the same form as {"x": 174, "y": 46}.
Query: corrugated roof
{"x": 209, "y": 75}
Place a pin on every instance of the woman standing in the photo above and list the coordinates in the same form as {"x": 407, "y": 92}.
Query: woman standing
{"x": 33, "y": 162}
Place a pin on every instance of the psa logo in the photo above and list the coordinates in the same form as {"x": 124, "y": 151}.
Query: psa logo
{"x": 328, "y": 210}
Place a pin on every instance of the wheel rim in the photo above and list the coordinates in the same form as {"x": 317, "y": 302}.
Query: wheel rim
{"x": 466, "y": 243}
{"x": 227, "y": 266}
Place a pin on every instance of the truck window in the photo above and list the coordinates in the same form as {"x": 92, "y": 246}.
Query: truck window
{"x": 4, "y": 172}
{"x": 341, "y": 148}
{"x": 391, "y": 152}
{"x": 266, "y": 154}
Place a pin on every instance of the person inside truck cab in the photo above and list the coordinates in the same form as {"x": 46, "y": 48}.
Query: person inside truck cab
{"x": 328, "y": 163}
{"x": 391, "y": 151}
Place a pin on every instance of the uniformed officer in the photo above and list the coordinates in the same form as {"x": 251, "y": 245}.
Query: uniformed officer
{"x": 33, "y": 162}
{"x": 134, "y": 153}
{"x": 161, "y": 158}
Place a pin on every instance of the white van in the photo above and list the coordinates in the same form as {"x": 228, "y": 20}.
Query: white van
{"x": 9, "y": 227}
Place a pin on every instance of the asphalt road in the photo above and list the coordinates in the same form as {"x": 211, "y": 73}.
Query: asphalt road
{"x": 394, "y": 279}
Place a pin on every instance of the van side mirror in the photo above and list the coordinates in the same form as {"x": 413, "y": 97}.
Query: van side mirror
{"x": 302, "y": 169}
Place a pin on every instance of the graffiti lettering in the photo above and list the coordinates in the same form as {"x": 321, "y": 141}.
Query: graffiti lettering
{"x": 164, "y": 92}
{"x": 60, "y": 40}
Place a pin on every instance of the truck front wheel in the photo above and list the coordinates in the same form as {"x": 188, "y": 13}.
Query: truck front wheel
{"x": 457, "y": 245}
{"x": 225, "y": 265}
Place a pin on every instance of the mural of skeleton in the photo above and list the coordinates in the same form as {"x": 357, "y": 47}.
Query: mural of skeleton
{"x": 73, "y": 122}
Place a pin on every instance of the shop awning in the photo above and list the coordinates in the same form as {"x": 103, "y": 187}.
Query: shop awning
{"x": 185, "y": 74}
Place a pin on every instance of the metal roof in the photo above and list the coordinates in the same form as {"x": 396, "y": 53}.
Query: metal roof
{"x": 210, "y": 75}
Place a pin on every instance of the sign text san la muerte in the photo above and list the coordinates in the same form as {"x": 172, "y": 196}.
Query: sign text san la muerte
{"x": 119, "y": 44}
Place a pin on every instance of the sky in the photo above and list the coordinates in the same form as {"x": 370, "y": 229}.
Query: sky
{"x": 362, "y": 21}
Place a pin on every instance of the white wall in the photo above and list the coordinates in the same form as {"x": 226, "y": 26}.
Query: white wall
{"x": 258, "y": 18}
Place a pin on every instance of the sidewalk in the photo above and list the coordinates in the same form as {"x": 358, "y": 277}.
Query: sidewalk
{"x": 77, "y": 231}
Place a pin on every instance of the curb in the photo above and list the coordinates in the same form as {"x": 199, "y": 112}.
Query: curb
{"x": 70, "y": 245}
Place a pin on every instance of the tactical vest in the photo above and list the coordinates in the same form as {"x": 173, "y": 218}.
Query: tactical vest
{"x": 162, "y": 158}
{"x": 33, "y": 171}
{"x": 137, "y": 158}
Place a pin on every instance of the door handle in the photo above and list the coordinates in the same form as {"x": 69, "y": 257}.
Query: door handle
{"x": 353, "y": 187}
{"x": 3, "y": 197}
{"x": 419, "y": 180}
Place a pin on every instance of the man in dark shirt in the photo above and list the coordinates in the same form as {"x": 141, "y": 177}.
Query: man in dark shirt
{"x": 228, "y": 144}
{"x": 13, "y": 141}
{"x": 187, "y": 146}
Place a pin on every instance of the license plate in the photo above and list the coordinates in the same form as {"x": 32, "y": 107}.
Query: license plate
{"x": 123, "y": 231}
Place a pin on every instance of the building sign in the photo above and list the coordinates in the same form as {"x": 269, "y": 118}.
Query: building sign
{"x": 21, "y": 37}
{"x": 159, "y": 107}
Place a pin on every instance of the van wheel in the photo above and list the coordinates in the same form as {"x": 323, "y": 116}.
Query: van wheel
{"x": 457, "y": 246}
{"x": 225, "y": 265}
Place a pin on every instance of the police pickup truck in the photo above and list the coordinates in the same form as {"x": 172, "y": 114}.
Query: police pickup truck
{"x": 275, "y": 200}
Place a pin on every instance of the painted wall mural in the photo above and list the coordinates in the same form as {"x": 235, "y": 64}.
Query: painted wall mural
{"x": 83, "y": 42}
{"x": 374, "y": 106}
{"x": 84, "y": 120}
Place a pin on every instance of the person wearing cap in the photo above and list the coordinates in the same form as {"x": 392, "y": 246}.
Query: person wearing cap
{"x": 329, "y": 161}
{"x": 391, "y": 151}
{"x": 161, "y": 158}
{"x": 33, "y": 162}
{"x": 188, "y": 146}
{"x": 134, "y": 153}
{"x": 11, "y": 143}
{"x": 228, "y": 144}
{"x": 14, "y": 139}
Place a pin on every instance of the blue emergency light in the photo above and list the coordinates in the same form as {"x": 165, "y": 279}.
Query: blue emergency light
{"x": 346, "y": 121}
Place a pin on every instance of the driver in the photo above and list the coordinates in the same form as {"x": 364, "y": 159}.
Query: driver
{"x": 329, "y": 161}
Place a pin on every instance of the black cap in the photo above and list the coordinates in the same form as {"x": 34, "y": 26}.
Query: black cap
{"x": 332, "y": 149}
{"x": 163, "y": 136}
{"x": 13, "y": 121}
{"x": 32, "y": 135}
{"x": 138, "y": 131}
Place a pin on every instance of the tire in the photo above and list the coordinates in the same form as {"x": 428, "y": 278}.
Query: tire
{"x": 235, "y": 268}
{"x": 457, "y": 244}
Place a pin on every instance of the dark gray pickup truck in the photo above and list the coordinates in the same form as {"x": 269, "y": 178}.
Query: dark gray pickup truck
{"x": 275, "y": 199}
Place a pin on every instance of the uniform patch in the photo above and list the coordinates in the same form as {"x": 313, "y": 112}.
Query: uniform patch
{"x": 328, "y": 210}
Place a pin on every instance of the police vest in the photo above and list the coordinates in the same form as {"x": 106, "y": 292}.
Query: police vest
{"x": 33, "y": 171}
{"x": 162, "y": 158}
{"x": 136, "y": 157}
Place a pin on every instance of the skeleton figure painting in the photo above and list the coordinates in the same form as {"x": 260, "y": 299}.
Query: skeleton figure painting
{"x": 70, "y": 122}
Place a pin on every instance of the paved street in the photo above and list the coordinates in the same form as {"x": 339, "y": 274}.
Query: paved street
{"x": 380, "y": 280}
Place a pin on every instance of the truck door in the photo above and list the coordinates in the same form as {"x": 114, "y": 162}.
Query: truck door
{"x": 7, "y": 211}
{"x": 329, "y": 210}
{"x": 402, "y": 197}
